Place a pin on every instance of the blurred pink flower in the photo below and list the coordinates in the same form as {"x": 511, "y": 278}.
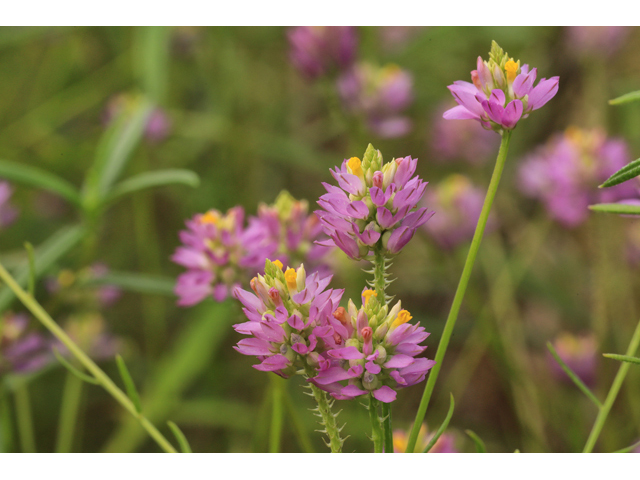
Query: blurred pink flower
{"x": 317, "y": 51}
{"x": 601, "y": 40}
{"x": 579, "y": 353}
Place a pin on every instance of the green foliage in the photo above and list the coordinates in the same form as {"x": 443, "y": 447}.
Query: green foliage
{"x": 480, "y": 446}
{"x": 38, "y": 178}
{"x": 625, "y": 173}
{"x": 622, "y": 358}
{"x": 626, "y": 98}
{"x": 618, "y": 208}
{"x": 443, "y": 426}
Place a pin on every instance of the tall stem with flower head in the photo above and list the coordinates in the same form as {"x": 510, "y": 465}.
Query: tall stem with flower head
{"x": 462, "y": 287}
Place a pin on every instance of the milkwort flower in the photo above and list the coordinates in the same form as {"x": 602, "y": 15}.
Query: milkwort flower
{"x": 21, "y": 350}
{"x": 501, "y": 92}
{"x": 8, "y": 213}
{"x": 317, "y": 51}
{"x": 466, "y": 141}
{"x": 288, "y": 232}
{"x": 378, "y": 356}
{"x": 565, "y": 173}
{"x": 373, "y": 207}
{"x": 458, "y": 203}
{"x": 218, "y": 256}
{"x": 379, "y": 94}
{"x": 288, "y": 316}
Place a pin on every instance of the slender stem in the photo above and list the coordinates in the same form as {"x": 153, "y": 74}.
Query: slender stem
{"x": 379, "y": 276}
{"x": 613, "y": 393}
{"x": 36, "y": 309}
{"x": 388, "y": 431}
{"x": 69, "y": 409}
{"x": 376, "y": 427}
{"x": 328, "y": 419}
{"x": 277, "y": 413}
{"x": 25, "y": 421}
{"x": 462, "y": 287}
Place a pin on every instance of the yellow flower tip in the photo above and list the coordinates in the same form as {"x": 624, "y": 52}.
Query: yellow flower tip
{"x": 211, "y": 217}
{"x": 278, "y": 264}
{"x": 403, "y": 317}
{"x": 354, "y": 164}
{"x": 291, "y": 277}
{"x": 66, "y": 278}
{"x": 511, "y": 68}
{"x": 367, "y": 294}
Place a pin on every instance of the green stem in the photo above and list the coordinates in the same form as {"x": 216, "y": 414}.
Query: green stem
{"x": 71, "y": 397}
{"x": 328, "y": 419}
{"x": 36, "y": 309}
{"x": 277, "y": 413}
{"x": 388, "y": 430}
{"x": 376, "y": 427}
{"x": 25, "y": 421}
{"x": 6, "y": 430}
{"x": 462, "y": 287}
{"x": 613, "y": 393}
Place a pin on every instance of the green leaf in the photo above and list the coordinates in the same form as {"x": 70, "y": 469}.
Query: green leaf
{"x": 182, "y": 440}
{"x": 48, "y": 253}
{"x": 128, "y": 383}
{"x": 74, "y": 370}
{"x": 36, "y": 177}
{"x": 151, "y": 60}
{"x": 617, "y": 208}
{"x": 138, "y": 282}
{"x": 443, "y": 427}
{"x": 480, "y": 447}
{"x": 114, "y": 151}
{"x": 154, "y": 179}
{"x": 579, "y": 383}
{"x": 628, "y": 449}
{"x": 626, "y": 98}
{"x": 625, "y": 173}
{"x": 622, "y": 358}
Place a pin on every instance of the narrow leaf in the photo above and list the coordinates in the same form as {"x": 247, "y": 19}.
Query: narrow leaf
{"x": 138, "y": 282}
{"x": 579, "y": 383}
{"x": 155, "y": 179}
{"x": 626, "y": 98}
{"x": 32, "y": 269}
{"x": 618, "y": 208}
{"x": 128, "y": 383}
{"x": 151, "y": 59}
{"x": 182, "y": 440}
{"x": 630, "y": 448}
{"x": 74, "y": 370}
{"x": 625, "y": 173}
{"x": 36, "y": 177}
{"x": 480, "y": 447}
{"x": 622, "y": 358}
{"x": 443, "y": 427}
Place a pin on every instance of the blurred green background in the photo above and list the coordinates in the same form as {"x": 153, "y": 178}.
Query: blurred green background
{"x": 250, "y": 125}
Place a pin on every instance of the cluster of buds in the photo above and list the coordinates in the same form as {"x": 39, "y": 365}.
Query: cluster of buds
{"x": 157, "y": 127}
{"x": 565, "y": 173}
{"x": 379, "y": 353}
{"x": 318, "y": 51}
{"x": 216, "y": 255}
{"x": 288, "y": 232}
{"x": 379, "y": 94}
{"x": 501, "y": 92}
{"x": 373, "y": 208}
{"x": 288, "y": 316}
{"x": 458, "y": 203}
{"x": 81, "y": 288}
{"x": 21, "y": 350}
{"x": 8, "y": 213}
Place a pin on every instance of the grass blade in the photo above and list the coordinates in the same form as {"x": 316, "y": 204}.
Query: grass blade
{"x": 629, "y": 449}
{"x": 579, "y": 383}
{"x": 618, "y": 208}
{"x": 182, "y": 440}
{"x": 625, "y": 173}
{"x": 128, "y": 383}
{"x": 622, "y": 358}
{"x": 443, "y": 427}
{"x": 36, "y": 177}
{"x": 480, "y": 446}
{"x": 155, "y": 179}
{"x": 66, "y": 364}
{"x": 626, "y": 98}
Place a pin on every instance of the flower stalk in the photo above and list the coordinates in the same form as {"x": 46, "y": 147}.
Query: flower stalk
{"x": 376, "y": 428}
{"x": 328, "y": 418}
{"x": 462, "y": 287}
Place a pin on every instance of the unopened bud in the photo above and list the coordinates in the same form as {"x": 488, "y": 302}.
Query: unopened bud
{"x": 342, "y": 315}
{"x": 370, "y": 381}
{"x": 378, "y": 179}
